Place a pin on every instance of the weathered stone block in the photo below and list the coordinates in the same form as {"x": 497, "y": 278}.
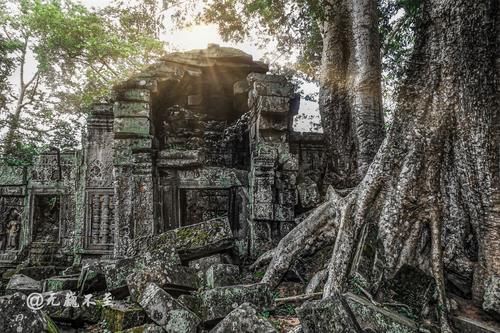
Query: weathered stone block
{"x": 140, "y": 95}
{"x": 15, "y": 316}
{"x": 218, "y": 302}
{"x": 23, "y": 284}
{"x": 277, "y": 88}
{"x": 380, "y": 320}
{"x": 58, "y": 283}
{"x": 176, "y": 279}
{"x": 328, "y": 315}
{"x": 263, "y": 211}
{"x": 122, "y": 315}
{"x": 308, "y": 194}
{"x": 244, "y": 319}
{"x": 193, "y": 241}
{"x": 173, "y": 158}
{"x": 203, "y": 264}
{"x": 491, "y": 301}
{"x": 222, "y": 275}
{"x": 167, "y": 312}
{"x": 131, "y": 109}
{"x": 138, "y": 126}
{"x": 273, "y": 104}
{"x": 272, "y": 123}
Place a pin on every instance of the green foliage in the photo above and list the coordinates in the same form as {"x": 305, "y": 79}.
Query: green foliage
{"x": 79, "y": 54}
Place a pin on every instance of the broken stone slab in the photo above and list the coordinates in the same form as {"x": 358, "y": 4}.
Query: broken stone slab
{"x": 122, "y": 315}
{"x": 58, "y": 283}
{"x": 175, "y": 279}
{"x": 327, "y": 315}
{"x": 167, "y": 312}
{"x": 381, "y": 320}
{"x": 219, "y": 302}
{"x": 116, "y": 276}
{"x": 222, "y": 275}
{"x": 193, "y": 241}
{"x": 201, "y": 265}
{"x": 16, "y": 317}
{"x": 244, "y": 319}
{"x": 23, "y": 284}
{"x": 491, "y": 301}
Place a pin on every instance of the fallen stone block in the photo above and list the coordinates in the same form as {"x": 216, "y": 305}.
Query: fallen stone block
{"x": 121, "y": 315}
{"x": 159, "y": 263}
{"x": 193, "y": 241}
{"x": 201, "y": 265}
{"x": 491, "y": 301}
{"x": 58, "y": 283}
{"x": 331, "y": 314}
{"x": 16, "y": 317}
{"x": 222, "y": 275}
{"x": 219, "y": 302}
{"x": 167, "y": 312}
{"x": 175, "y": 279}
{"x": 244, "y": 319}
{"x": 23, "y": 284}
{"x": 381, "y": 320}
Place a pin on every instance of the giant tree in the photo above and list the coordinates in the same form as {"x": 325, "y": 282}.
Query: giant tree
{"x": 432, "y": 190}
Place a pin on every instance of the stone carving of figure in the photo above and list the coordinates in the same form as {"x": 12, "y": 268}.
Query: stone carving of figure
{"x": 13, "y": 228}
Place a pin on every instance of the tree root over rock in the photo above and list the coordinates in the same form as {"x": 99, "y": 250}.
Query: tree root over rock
{"x": 429, "y": 184}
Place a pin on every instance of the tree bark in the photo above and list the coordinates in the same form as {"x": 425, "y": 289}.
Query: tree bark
{"x": 429, "y": 187}
{"x": 350, "y": 89}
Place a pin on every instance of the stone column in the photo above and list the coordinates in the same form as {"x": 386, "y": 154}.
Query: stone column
{"x": 133, "y": 166}
{"x": 273, "y": 167}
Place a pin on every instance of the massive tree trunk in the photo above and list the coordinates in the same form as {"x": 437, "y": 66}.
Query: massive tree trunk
{"x": 350, "y": 89}
{"x": 429, "y": 187}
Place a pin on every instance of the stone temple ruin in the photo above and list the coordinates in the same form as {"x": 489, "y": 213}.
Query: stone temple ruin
{"x": 189, "y": 173}
{"x": 201, "y": 135}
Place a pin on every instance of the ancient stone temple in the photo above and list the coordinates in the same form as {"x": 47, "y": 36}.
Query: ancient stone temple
{"x": 200, "y": 136}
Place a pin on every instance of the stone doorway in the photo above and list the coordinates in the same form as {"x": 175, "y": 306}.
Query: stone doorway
{"x": 46, "y": 218}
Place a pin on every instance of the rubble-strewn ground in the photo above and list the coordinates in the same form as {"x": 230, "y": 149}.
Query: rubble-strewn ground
{"x": 159, "y": 290}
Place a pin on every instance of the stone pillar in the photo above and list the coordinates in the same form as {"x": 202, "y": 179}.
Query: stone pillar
{"x": 133, "y": 166}
{"x": 273, "y": 167}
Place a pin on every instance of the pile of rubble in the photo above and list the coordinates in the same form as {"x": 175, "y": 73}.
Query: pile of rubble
{"x": 189, "y": 280}
{"x": 179, "y": 281}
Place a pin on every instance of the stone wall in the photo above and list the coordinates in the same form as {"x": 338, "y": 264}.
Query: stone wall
{"x": 197, "y": 136}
